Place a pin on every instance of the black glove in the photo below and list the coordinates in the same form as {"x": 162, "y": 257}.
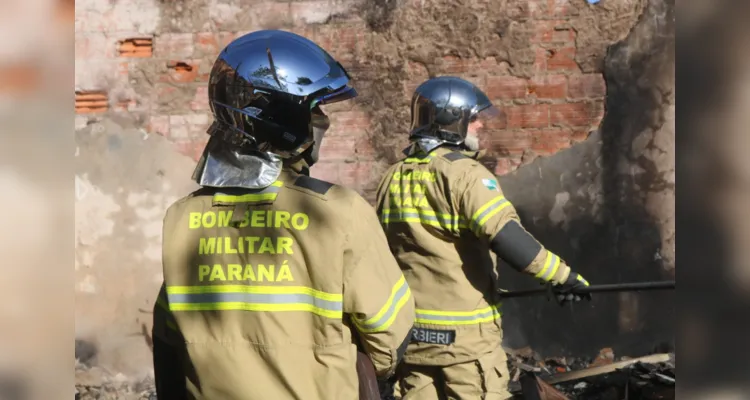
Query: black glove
{"x": 570, "y": 290}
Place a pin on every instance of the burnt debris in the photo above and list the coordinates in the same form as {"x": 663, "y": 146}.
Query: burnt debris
{"x": 599, "y": 378}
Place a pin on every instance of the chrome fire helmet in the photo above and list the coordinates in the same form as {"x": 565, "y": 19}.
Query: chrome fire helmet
{"x": 442, "y": 109}
{"x": 264, "y": 91}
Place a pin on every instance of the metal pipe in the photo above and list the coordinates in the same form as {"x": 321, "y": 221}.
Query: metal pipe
{"x": 616, "y": 287}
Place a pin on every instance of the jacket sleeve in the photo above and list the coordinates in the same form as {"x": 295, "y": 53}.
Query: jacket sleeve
{"x": 493, "y": 219}
{"x": 376, "y": 295}
{"x": 167, "y": 343}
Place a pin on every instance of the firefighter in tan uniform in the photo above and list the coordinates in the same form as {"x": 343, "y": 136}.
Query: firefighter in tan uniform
{"x": 273, "y": 279}
{"x": 443, "y": 212}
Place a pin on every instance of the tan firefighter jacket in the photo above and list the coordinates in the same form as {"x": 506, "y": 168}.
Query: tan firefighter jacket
{"x": 443, "y": 213}
{"x": 264, "y": 291}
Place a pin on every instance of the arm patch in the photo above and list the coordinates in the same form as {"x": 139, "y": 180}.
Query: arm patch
{"x": 515, "y": 246}
{"x": 312, "y": 184}
{"x": 455, "y": 156}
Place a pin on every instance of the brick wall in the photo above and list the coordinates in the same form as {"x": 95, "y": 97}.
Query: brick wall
{"x": 151, "y": 59}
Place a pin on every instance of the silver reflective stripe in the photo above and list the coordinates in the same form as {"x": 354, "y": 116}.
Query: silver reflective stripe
{"x": 400, "y": 294}
{"x": 255, "y": 298}
{"x": 402, "y": 215}
{"x": 549, "y": 269}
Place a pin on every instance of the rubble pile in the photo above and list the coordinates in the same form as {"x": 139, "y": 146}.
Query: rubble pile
{"x": 533, "y": 377}
{"x": 600, "y": 378}
{"x": 95, "y": 383}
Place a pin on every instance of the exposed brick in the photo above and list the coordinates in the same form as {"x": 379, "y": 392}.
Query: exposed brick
{"x": 188, "y": 127}
{"x": 348, "y": 36}
{"x": 575, "y": 114}
{"x": 325, "y": 170}
{"x": 357, "y": 175}
{"x": 125, "y": 104}
{"x": 478, "y": 81}
{"x": 562, "y": 59}
{"x": 135, "y": 47}
{"x": 175, "y": 46}
{"x": 93, "y": 101}
{"x": 502, "y": 166}
{"x": 579, "y": 135}
{"x": 548, "y": 87}
{"x": 509, "y": 142}
{"x": 454, "y": 65}
{"x": 180, "y": 72}
{"x": 210, "y": 44}
{"x": 200, "y": 100}
{"x": 363, "y": 149}
{"x": 338, "y": 148}
{"x": 416, "y": 70}
{"x": 587, "y": 86}
{"x": 497, "y": 122}
{"x": 540, "y": 59}
{"x": 506, "y": 87}
{"x": 411, "y": 86}
{"x": 561, "y": 8}
{"x": 553, "y": 32}
{"x": 191, "y": 148}
{"x": 549, "y": 141}
{"x": 527, "y": 116}
{"x": 159, "y": 125}
{"x": 347, "y": 122}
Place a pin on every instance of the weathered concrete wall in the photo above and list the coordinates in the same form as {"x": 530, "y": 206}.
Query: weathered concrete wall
{"x": 125, "y": 180}
{"x": 607, "y": 205}
{"x": 142, "y": 67}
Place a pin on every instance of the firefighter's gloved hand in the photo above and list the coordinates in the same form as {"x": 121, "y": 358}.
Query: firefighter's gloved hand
{"x": 386, "y": 388}
{"x": 569, "y": 291}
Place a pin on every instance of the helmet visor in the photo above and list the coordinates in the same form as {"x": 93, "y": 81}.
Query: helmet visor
{"x": 486, "y": 113}
{"x": 342, "y": 94}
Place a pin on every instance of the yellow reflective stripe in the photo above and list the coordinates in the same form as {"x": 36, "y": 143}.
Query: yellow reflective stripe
{"x": 484, "y": 213}
{"x": 255, "y": 289}
{"x": 269, "y": 193}
{"x": 242, "y": 306}
{"x": 245, "y": 198}
{"x": 551, "y": 265}
{"x": 418, "y": 160}
{"x": 427, "y": 217}
{"x": 436, "y": 317}
{"x": 384, "y": 318}
{"x": 580, "y": 278}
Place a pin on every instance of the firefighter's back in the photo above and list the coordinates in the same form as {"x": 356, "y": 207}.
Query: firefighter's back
{"x": 254, "y": 282}
{"x": 448, "y": 268}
